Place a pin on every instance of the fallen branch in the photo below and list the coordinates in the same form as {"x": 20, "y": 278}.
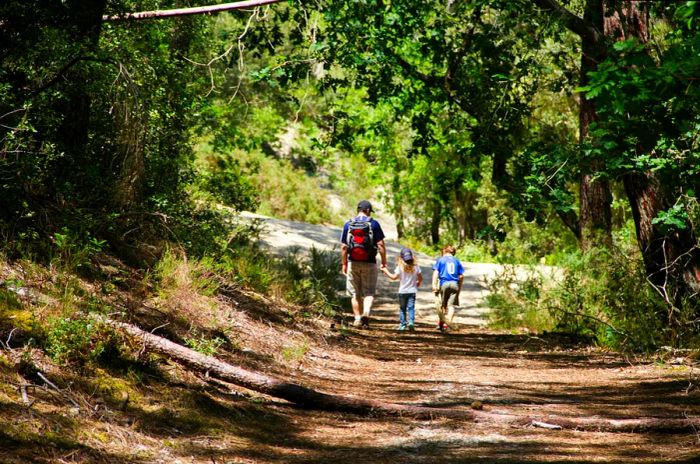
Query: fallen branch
{"x": 309, "y": 398}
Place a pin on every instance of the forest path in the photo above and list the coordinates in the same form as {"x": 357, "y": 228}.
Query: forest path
{"x": 282, "y": 236}
{"x": 510, "y": 373}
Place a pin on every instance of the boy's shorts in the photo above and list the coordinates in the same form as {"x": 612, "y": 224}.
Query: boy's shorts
{"x": 448, "y": 293}
{"x": 361, "y": 279}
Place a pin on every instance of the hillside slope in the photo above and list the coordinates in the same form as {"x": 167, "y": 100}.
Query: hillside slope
{"x": 137, "y": 407}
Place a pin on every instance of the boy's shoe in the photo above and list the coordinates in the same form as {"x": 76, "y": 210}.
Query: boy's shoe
{"x": 364, "y": 321}
{"x": 401, "y": 327}
{"x": 411, "y": 328}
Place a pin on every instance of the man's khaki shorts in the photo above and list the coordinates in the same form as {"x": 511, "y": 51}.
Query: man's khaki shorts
{"x": 361, "y": 279}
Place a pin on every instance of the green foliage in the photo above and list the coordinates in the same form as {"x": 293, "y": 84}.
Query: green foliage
{"x": 602, "y": 294}
{"x": 295, "y": 353}
{"x": 75, "y": 251}
{"x": 310, "y": 280}
{"x": 203, "y": 344}
{"x": 76, "y": 339}
{"x": 516, "y": 302}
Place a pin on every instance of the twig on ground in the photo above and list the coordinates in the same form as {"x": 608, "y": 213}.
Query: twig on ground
{"x": 545, "y": 425}
{"x": 61, "y": 392}
{"x": 25, "y": 397}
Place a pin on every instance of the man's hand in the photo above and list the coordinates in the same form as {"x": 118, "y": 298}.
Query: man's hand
{"x": 344, "y": 269}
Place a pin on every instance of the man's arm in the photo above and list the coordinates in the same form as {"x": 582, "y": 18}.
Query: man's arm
{"x": 436, "y": 281}
{"x": 382, "y": 252}
{"x": 344, "y": 258}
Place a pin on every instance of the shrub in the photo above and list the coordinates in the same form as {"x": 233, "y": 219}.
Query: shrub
{"x": 603, "y": 294}
{"x": 76, "y": 339}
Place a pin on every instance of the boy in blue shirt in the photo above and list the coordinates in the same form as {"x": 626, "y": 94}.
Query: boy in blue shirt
{"x": 448, "y": 275}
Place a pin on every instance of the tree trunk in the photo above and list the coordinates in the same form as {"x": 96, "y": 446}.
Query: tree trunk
{"x": 435, "y": 223}
{"x": 595, "y": 216}
{"x": 310, "y": 398}
{"x": 671, "y": 259}
{"x": 83, "y": 21}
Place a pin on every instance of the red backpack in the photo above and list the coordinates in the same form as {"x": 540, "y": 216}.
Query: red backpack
{"x": 360, "y": 240}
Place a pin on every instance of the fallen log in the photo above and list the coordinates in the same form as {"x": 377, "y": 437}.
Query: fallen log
{"x": 313, "y": 399}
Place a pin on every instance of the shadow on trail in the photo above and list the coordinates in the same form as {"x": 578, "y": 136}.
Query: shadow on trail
{"x": 291, "y": 441}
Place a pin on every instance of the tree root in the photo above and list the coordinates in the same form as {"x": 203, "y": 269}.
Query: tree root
{"x": 313, "y": 399}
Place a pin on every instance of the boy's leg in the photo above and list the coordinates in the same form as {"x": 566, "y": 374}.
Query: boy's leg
{"x": 450, "y": 314}
{"x": 439, "y": 308}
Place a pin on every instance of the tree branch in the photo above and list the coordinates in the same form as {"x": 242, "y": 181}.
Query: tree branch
{"x": 157, "y": 14}
{"x": 574, "y": 23}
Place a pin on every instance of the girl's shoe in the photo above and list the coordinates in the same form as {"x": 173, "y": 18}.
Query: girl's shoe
{"x": 401, "y": 327}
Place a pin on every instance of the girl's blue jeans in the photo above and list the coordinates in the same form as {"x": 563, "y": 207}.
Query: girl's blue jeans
{"x": 407, "y": 307}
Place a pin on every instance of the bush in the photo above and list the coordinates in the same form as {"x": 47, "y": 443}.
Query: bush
{"x": 601, "y": 294}
{"x": 76, "y": 339}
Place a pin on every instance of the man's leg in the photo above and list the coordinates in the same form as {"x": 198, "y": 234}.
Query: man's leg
{"x": 369, "y": 287}
{"x": 355, "y": 299}
{"x": 367, "y": 305}
{"x": 356, "y": 306}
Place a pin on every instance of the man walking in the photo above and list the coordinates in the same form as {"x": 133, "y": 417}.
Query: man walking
{"x": 361, "y": 239}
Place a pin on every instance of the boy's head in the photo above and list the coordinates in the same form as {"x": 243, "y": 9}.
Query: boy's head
{"x": 448, "y": 249}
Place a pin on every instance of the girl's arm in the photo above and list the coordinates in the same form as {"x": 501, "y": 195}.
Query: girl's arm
{"x": 419, "y": 280}
{"x": 389, "y": 274}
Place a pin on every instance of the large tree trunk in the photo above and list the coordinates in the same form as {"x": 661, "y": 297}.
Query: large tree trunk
{"x": 83, "y": 20}
{"x": 671, "y": 259}
{"x": 310, "y": 398}
{"x": 595, "y": 216}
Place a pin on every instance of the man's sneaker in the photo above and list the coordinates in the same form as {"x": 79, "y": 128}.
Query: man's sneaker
{"x": 442, "y": 327}
{"x": 411, "y": 328}
{"x": 357, "y": 323}
{"x": 364, "y": 321}
{"x": 445, "y": 327}
{"x": 401, "y": 327}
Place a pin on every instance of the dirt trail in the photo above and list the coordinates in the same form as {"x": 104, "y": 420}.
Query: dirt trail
{"x": 282, "y": 236}
{"x": 513, "y": 373}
